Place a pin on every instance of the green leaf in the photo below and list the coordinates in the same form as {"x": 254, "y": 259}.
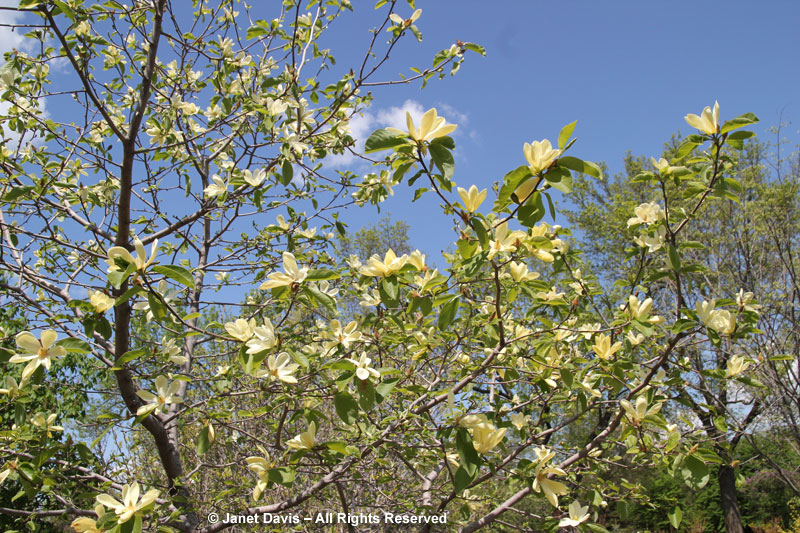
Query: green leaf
{"x": 118, "y": 277}
{"x": 675, "y": 517}
{"x": 346, "y": 407}
{"x": 566, "y": 133}
{"x": 738, "y": 122}
{"x": 672, "y": 441}
{"x": 282, "y": 475}
{"x": 322, "y": 274}
{"x": 389, "y": 289}
{"x": 480, "y": 231}
{"x": 384, "y": 140}
{"x": 385, "y": 388}
{"x": 127, "y": 357}
{"x": 16, "y": 192}
{"x": 686, "y": 147}
{"x": 694, "y": 472}
{"x": 448, "y": 314}
{"x": 443, "y": 159}
{"x": 203, "y": 441}
{"x": 470, "y": 460}
{"x": 321, "y": 298}
{"x": 70, "y": 14}
{"x": 125, "y": 296}
{"x": 366, "y": 397}
{"x": 511, "y": 181}
{"x": 625, "y": 509}
{"x": 560, "y": 179}
{"x": 475, "y": 48}
{"x": 177, "y": 273}
{"x": 157, "y": 307}
{"x": 75, "y": 345}
{"x": 579, "y": 165}
{"x": 674, "y": 258}
{"x": 287, "y": 172}
{"x": 462, "y": 479}
{"x": 532, "y": 212}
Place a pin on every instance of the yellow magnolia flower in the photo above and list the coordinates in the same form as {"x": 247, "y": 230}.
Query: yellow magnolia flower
{"x": 241, "y": 329}
{"x": 305, "y": 440}
{"x": 37, "y": 353}
{"x": 652, "y": 242}
{"x": 641, "y": 310}
{"x": 577, "y": 515}
{"x": 473, "y": 421}
{"x": 417, "y": 259}
{"x": 340, "y": 335}
{"x": 635, "y": 338}
{"x": 85, "y": 525}
{"x": 723, "y": 322}
{"x": 743, "y": 300}
{"x": 166, "y": 394}
{"x": 646, "y": 214}
{"x": 549, "y": 296}
{"x": 291, "y": 274}
{"x": 280, "y": 368}
{"x": 83, "y": 28}
{"x": 140, "y": 260}
{"x": 363, "y": 370}
{"x": 100, "y": 301}
{"x": 540, "y": 155}
{"x": 405, "y": 23}
{"x": 603, "y": 347}
{"x": 217, "y": 187}
{"x": 520, "y": 420}
{"x": 485, "y": 437}
{"x": 131, "y": 503}
{"x": 736, "y": 365}
{"x": 662, "y": 165}
{"x": 504, "y": 240}
{"x": 13, "y": 388}
{"x": 707, "y": 122}
{"x": 472, "y": 199}
{"x": 431, "y": 126}
{"x": 254, "y": 179}
{"x": 639, "y": 411}
{"x": 390, "y": 265}
{"x": 46, "y": 424}
{"x": 705, "y": 310}
{"x": 12, "y": 465}
{"x": 264, "y": 338}
{"x": 588, "y": 387}
{"x": 551, "y": 489}
{"x": 519, "y": 272}
{"x": 260, "y": 466}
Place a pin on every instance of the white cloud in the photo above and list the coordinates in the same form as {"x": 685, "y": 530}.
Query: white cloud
{"x": 395, "y": 117}
{"x": 11, "y": 38}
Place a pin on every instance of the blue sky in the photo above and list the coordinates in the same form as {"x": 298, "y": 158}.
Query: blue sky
{"x": 627, "y": 71}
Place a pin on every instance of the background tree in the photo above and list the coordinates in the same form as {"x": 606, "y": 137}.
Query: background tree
{"x": 743, "y": 250}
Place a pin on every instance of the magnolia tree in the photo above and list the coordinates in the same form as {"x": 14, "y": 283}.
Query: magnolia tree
{"x": 149, "y": 150}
